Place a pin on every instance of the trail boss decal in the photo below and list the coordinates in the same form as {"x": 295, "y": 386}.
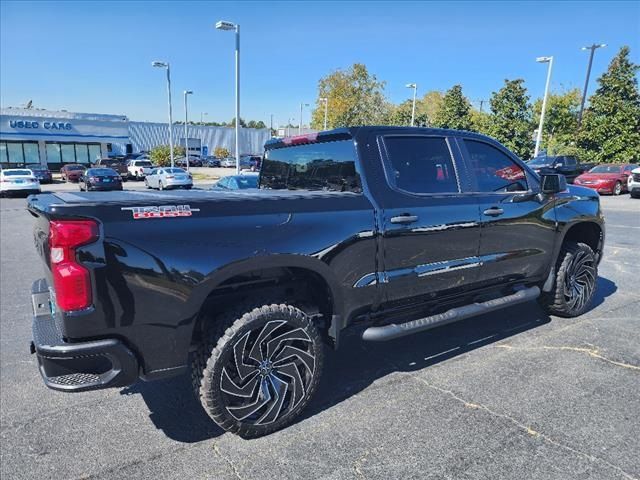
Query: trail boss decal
{"x": 163, "y": 211}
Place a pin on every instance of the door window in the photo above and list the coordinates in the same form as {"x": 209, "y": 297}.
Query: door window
{"x": 420, "y": 165}
{"x": 493, "y": 170}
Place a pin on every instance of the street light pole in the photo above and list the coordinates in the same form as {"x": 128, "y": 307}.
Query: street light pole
{"x": 300, "y": 124}
{"x": 223, "y": 25}
{"x": 186, "y": 131}
{"x": 413, "y": 108}
{"x": 168, "y": 68}
{"x": 202, "y": 114}
{"x": 592, "y": 49}
{"x": 548, "y": 60}
{"x": 326, "y": 109}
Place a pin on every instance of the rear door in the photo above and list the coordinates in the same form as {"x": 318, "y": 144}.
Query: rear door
{"x": 518, "y": 223}
{"x": 430, "y": 228}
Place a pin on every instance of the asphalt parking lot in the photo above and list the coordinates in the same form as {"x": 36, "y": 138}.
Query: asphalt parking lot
{"x": 513, "y": 394}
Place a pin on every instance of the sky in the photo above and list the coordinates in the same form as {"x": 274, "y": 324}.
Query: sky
{"x": 96, "y": 56}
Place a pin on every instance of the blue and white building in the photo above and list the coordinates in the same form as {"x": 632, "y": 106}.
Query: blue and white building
{"x": 55, "y": 138}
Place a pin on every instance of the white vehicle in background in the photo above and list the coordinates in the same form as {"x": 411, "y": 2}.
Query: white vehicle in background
{"x": 168, "y": 177}
{"x": 18, "y": 181}
{"x": 633, "y": 183}
{"x": 139, "y": 169}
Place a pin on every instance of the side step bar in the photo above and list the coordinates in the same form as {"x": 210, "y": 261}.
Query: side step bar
{"x": 388, "y": 332}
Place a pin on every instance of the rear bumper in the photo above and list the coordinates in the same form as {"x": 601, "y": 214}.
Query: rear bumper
{"x": 111, "y": 186}
{"x": 76, "y": 366}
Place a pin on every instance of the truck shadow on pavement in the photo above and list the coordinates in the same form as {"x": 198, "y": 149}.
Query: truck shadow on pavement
{"x": 354, "y": 366}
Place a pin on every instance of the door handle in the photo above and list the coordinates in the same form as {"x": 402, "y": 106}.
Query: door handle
{"x": 405, "y": 218}
{"x": 493, "y": 212}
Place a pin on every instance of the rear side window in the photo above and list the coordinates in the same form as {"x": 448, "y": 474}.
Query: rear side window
{"x": 421, "y": 164}
{"x": 493, "y": 170}
{"x": 328, "y": 166}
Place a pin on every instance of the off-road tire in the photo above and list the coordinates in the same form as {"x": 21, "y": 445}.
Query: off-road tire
{"x": 216, "y": 351}
{"x": 559, "y": 301}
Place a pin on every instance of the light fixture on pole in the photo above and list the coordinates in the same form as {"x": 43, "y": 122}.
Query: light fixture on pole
{"x": 186, "y": 131}
{"x": 592, "y": 49}
{"x": 413, "y": 108}
{"x": 548, "y": 60}
{"x": 300, "y": 124}
{"x": 202, "y": 114}
{"x": 168, "y": 68}
{"x": 326, "y": 109}
{"x": 224, "y": 25}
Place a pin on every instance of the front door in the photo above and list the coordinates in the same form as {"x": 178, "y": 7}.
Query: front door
{"x": 518, "y": 223}
{"x": 430, "y": 228}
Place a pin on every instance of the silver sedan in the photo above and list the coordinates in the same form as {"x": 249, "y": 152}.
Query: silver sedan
{"x": 168, "y": 177}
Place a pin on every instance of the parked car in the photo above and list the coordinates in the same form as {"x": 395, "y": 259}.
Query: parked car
{"x": 138, "y": 169}
{"x": 42, "y": 173}
{"x": 119, "y": 164}
{"x": 167, "y": 177}
{"x": 193, "y": 162}
{"x": 228, "y": 162}
{"x": 567, "y": 165}
{"x": 100, "y": 179}
{"x": 245, "y": 289}
{"x": 607, "y": 178}
{"x": 18, "y": 181}
{"x": 250, "y": 162}
{"x": 237, "y": 182}
{"x": 211, "y": 162}
{"x": 72, "y": 172}
{"x": 633, "y": 183}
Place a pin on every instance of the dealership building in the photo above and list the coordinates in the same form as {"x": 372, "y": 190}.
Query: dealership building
{"x": 55, "y": 138}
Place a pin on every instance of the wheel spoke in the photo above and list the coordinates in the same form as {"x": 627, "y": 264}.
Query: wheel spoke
{"x": 256, "y": 350}
{"x": 229, "y": 386}
{"x": 242, "y": 368}
{"x": 291, "y": 371}
{"x": 274, "y": 345}
{"x": 280, "y": 389}
{"x": 242, "y": 412}
{"x": 290, "y": 352}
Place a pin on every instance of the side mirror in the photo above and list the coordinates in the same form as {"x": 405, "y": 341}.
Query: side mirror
{"x": 553, "y": 183}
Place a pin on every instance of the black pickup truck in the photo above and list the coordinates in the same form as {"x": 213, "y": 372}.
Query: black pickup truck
{"x": 566, "y": 165}
{"x": 388, "y": 230}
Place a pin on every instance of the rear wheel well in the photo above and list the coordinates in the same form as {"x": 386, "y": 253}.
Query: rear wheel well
{"x": 295, "y": 286}
{"x": 586, "y": 232}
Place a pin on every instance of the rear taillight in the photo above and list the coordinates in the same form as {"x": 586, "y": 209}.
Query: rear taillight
{"x": 71, "y": 280}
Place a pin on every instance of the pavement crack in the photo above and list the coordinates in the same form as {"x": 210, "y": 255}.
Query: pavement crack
{"x": 526, "y": 428}
{"x": 227, "y": 460}
{"x": 592, "y": 351}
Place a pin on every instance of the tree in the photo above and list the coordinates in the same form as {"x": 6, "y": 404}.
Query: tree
{"x": 221, "y": 152}
{"x": 455, "y": 110}
{"x": 560, "y": 121}
{"x": 430, "y": 104}
{"x": 400, "y": 115}
{"x": 161, "y": 155}
{"x": 232, "y": 123}
{"x": 611, "y": 125}
{"x": 355, "y": 97}
{"x": 510, "y": 121}
{"x": 480, "y": 122}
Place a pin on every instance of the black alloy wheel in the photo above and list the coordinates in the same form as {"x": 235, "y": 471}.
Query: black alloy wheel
{"x": 262, "y": 372}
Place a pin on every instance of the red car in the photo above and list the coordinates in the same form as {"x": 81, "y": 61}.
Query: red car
{"x": 72, "y": 172}
{"x": 606, "y": 178}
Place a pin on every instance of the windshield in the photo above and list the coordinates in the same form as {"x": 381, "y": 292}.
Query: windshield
{"x": 101, "y": 171}
{"x": 12, "y": 173}
{"x": 74, "y": 167}
{"x": 540, "y": 161}
{"x": 606, "y": 169}
{"x": 174, "y": 170}
{"x": 142, "y": 163}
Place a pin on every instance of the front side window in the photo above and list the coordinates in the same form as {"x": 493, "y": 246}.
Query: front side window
{"x": 493, "y": 170}
{"x": 421, "y": 165}
{"x": 327, "y": 166}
